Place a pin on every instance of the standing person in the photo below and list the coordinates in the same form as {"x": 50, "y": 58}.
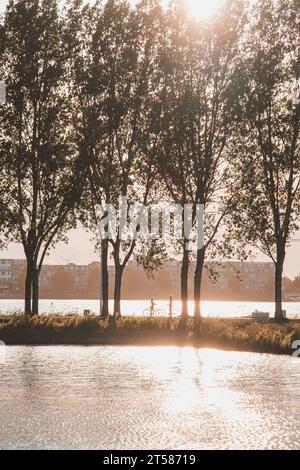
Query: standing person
{"x": 152, "y": 307}
{"x": 171, "y": 306}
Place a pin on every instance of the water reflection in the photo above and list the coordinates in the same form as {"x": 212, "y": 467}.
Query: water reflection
{"x": 143, "y": 397}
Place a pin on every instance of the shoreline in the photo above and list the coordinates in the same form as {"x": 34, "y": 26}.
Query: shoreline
{"x": 225, "y": 334}
{"x": 92, "y": 298}
{"x": 160, "y": 299}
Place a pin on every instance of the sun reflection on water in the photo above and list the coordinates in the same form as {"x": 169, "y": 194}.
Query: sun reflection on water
{"x": 143, "y": 397}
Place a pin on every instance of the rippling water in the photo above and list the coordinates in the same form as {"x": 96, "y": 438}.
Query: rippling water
{"x": 149, "y": 398}
{"x": 136, "y": 307}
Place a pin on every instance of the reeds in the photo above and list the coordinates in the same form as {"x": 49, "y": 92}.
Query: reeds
{"x": 240, "y": 334}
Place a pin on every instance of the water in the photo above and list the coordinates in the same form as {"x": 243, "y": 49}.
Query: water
{"x": 66, "y": 397}
{"x": 209, "y": 308}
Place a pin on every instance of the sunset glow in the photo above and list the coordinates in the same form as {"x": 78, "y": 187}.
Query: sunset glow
{"x": 202, "y": 9}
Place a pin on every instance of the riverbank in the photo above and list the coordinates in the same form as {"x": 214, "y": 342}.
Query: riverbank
{"x": 229, "y": 334}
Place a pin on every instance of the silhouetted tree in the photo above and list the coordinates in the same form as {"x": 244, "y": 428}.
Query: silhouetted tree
{"x": 267, "y": 153}
{"x": 88, "y": 81}
{"x": 112, "y": 69}
{"x": 196, "y": 120}
{"x": 170, "y": 122}
{"x": 35, "y": 147}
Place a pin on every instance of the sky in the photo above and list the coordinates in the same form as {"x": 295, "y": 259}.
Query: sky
{"x": 80, "y": 248}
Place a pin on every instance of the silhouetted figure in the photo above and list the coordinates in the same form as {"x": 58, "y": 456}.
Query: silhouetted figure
{"x": 152, "y": 307}
{"x": 171, "y": 306}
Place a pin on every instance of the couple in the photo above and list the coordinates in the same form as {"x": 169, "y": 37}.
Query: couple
{"x": 153, "y": 307}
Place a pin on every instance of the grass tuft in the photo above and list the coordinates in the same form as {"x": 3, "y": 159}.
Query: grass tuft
{"x": 238, "y": 334}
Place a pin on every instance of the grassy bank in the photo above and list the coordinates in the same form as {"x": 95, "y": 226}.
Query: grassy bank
{"x": 234, "y": 334}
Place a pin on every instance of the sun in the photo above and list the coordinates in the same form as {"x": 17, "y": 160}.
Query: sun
{"x": 202, "y": 9}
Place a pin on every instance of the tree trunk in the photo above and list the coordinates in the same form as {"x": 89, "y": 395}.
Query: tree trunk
{"x": 28, "y": 288}
{"x": 278, "y": 284}
{"x": 104, "y": 278}
{"x": 117, "y": 290}
{"x": 184, "y": 283}
{"x": 197, "y": 282}
{"x": 35, "y": 292}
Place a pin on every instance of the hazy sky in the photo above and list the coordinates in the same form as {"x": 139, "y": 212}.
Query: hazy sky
{"x": 80, "y": 249}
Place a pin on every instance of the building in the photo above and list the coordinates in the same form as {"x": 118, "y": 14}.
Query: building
{"x": 236, "y": 279}
{"x": 252, "y": 275}
{"x": 12, "y": 271}
{"x": 221, "y": 281}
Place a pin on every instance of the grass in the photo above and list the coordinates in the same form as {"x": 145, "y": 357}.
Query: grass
{"x": 234, "y": 334}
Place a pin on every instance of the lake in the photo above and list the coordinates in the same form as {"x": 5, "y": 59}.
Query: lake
{"x": 209, "y": 308}
{"x": 67, "y": 397}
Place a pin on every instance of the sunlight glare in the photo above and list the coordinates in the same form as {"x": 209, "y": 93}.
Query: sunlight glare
{"x": 203, "y": 9}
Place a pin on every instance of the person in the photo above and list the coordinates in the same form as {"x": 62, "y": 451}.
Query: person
{"x": 171, "y": 306}
{"x": 152, "y": 307}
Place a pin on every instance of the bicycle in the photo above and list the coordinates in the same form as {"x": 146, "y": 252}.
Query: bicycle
{"x": 157, "y": 312}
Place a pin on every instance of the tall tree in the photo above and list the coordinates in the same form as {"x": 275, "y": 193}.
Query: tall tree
{"x": 112, "y": 80}
{"x": 197, "y": 63}
{"x": 170, "y": 122}
{"x": 135, "y": 147}
{"x": 210, "y": 129}
{"x": 35, "y": 145}
{"x": 6, "y": 223}
{"x": 88, "y": 81}
{"x": 267, "y": 152}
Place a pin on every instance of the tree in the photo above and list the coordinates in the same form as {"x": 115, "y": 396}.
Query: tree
{"x": 267, "y": 163}
{"x": 170, "y": 122}
{"x": 35, "y": 145}
{"x": 197, "y": 63}
{"x": 6, "y": 222}
{"x": 210, "y": 129}
{"x": 88, "y": 80}
{"x": 111, "y": 84}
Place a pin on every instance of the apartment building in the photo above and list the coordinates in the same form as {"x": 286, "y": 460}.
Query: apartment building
{"x": 226, "y": 280}
{"x": 11, "y": 273}
{"x": 253, "y": 276}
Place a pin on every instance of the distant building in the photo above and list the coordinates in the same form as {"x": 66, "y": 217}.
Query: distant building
{"x": 10, "y": 275}
{"x": 80, "y": 275}
{"x": 228, "y": 280}
{"x": 252, "y": 276}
